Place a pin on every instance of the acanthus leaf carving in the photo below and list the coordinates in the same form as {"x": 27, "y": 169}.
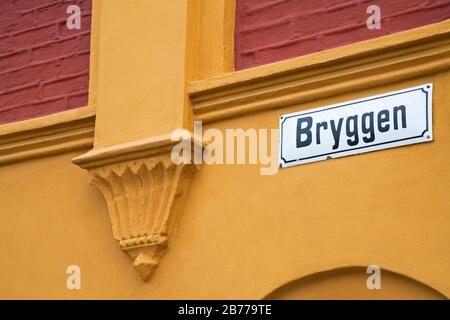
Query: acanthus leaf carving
{"x": 143, "y": 196}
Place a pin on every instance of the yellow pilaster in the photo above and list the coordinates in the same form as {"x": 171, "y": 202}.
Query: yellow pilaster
{"x": 141, "y": 72}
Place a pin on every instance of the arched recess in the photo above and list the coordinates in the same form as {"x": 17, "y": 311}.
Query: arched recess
{"x": 351, "y": 283}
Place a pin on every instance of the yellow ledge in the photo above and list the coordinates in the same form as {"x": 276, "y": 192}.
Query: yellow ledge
{"x": 123, "y": 152}
{"x": 48, "y": 135}
{"x": 381, "y": 61}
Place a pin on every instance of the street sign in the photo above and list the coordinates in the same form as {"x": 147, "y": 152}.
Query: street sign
{"x": 374, "y": 123}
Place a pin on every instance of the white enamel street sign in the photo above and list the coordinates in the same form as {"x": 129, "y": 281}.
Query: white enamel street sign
{"x": 379, "y": 122}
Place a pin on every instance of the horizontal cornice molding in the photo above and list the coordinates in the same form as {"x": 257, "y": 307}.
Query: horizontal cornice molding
{"x": 138, "y": 149}
{"x": 381, "y": 61}
{"x": 49, "y": 135}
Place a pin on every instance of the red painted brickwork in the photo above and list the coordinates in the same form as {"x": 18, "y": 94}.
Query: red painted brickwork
{"x": 44, "y": 66}
{"x": 273, "y": 30}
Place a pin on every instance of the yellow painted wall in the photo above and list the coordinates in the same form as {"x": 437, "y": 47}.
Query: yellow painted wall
{"x": 234, "y": 239}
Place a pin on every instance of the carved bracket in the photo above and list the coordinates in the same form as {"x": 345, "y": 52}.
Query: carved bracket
{"x": 144, "y": 190}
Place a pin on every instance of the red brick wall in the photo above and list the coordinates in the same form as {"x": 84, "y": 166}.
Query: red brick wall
{"x": 44, "y": 66}
{"x": 273, "y": 30}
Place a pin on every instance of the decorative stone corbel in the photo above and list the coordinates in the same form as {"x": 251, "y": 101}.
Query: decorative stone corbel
{"x": 144, "y": 190}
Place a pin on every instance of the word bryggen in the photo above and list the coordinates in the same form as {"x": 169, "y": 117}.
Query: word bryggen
{"x": 353, "y": 127}
{"x": 374, "y": 123}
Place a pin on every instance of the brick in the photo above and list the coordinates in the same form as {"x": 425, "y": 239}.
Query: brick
{"x": 42, "y": 72}
{"x": 418, "y": 19}
{"x": 6, "y": 5}
{"x": 56, "y": 49}
{"x": 32, "y": 4}
{"x": 77, "y": 101}
{"x": 35, "y": 36}
{"x": 17, "y": 22}
{"x": 52, "y": 13}
{"x": 252, "y": 13}
{"x": 289, "y": 48}
{"x": 86, "y": 6}
{"x": 269, "y": 30}
{"x": 391, "y": 7}
{"x": 74, "y": 64}
{"x": 327, "y": 20}
{"x": 333, "y": 3}
{"x": 85, "y": 42}
{"x": 66, "y": 86}
{"x": 14, "y": 60}
{"x": 21, "y": 96}
{"x": 6, "y": 116}
{"x": 39, "y": 109}
{"x": 5, "y": 44}
{"x": 3, "y": 81}
{"x": 7, "y": 9}
{"x": 253, "y": 39}
{"x": 33, "y": 74}
{"x": 349, "y": 35}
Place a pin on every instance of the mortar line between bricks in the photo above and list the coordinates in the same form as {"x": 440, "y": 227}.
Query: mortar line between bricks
{"x": 44, "y": 25}
{"x": 43, "y": 44}
{"x": 43, "y": 62}
{"x": 55, "y": 98}
{"x": 45, "y": 82}
{"x": 284, "y": 20}
{"x": 331, "y": 31}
